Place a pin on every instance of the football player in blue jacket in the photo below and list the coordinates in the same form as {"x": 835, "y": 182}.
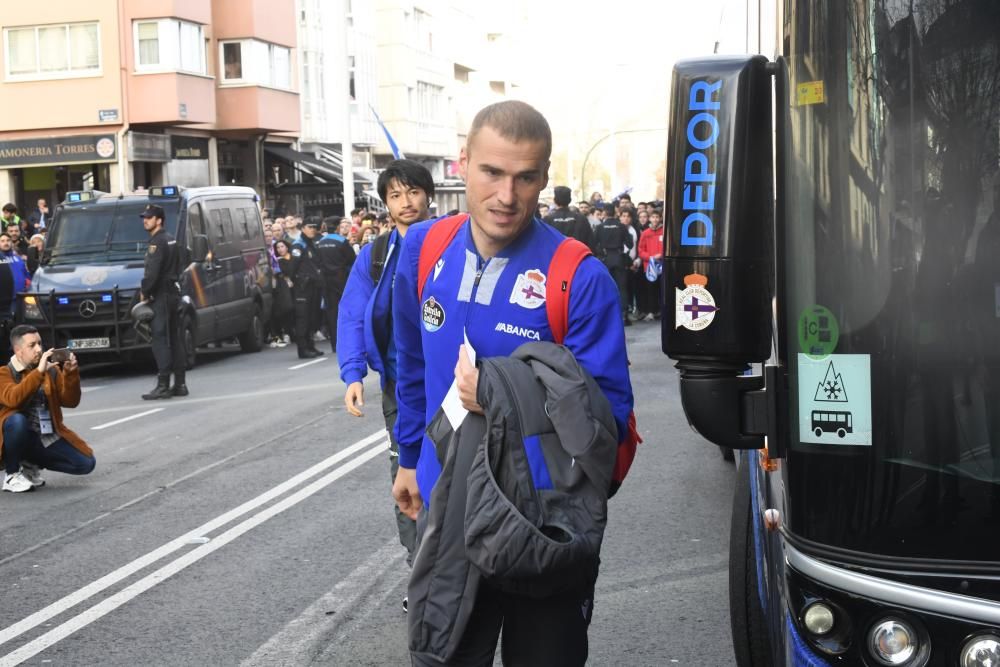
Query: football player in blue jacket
{"x": 364, "y": 322}
{"x": 489, "y": 285}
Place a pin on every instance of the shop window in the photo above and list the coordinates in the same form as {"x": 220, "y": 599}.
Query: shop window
{"x": 169, "y": 45}
{"x": 52, "y": 51}
{"x": 251, "y": 61}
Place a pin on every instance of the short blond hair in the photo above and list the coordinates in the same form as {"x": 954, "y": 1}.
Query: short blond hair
{"x": 513, "y": 120}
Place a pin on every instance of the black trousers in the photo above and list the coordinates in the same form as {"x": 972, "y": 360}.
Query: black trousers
{"x": 168, "y": 338}
{"x": 543, "y": 632}
{"x": 620, "y": 275}
{"x": 307, "y": 314}
{"x": 331, "y": 304}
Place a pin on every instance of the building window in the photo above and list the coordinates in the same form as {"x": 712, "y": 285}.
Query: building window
{"x": 169, "y": 45}
{"x": 251, "y": 61}
{"x": 429, "y": 99}
{"x": 422, "y": 30}
{"x": 53, "y": 51}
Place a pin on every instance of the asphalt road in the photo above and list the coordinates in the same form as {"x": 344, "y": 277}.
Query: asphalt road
{"x": 251, "y": 524}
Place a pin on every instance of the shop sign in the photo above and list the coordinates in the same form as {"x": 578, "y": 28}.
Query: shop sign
{"x": 107, "y": 115}
{"x": 189, "y": 148}
{"x": 144, "y": 147}
{"x": 82, "y": 148}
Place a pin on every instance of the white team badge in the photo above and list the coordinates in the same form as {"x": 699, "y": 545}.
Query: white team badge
{"x": 438, "y": 267}
{"x": 529, "y": 289}
{"x": 695, "y": 304}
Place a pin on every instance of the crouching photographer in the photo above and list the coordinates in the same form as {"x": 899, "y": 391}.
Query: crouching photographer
{"x": 34, "y": 388}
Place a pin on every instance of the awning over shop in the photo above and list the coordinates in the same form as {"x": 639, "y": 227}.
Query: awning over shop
{"x": 310, "y": 164}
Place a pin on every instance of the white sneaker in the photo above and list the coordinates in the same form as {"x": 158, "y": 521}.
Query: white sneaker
{"x": 17, "y": 483}
{"x": 273, "y": 344}
{"x": 33, "y": 473}
{"x": 281, "y": 343}
{"x": 649, "y": 317}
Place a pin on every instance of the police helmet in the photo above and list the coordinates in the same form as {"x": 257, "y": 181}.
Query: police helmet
{"x": 142, "y": 312}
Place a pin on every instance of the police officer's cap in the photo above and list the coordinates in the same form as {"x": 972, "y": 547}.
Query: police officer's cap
{"x": 152, "y": 211}
{"x": 142, "y": 312}
{"x": 312, "y": 222}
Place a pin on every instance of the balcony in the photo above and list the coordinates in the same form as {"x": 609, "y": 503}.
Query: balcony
{"x": 257, "y": 109}
{"x": 267, "y": 20}
{"x": 171, "y": 98}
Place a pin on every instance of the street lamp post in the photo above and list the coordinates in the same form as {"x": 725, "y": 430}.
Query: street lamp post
{"x": 583, "y": 168}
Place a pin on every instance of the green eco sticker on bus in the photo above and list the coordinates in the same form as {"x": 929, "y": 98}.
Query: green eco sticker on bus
{"x": 818, "y": 332}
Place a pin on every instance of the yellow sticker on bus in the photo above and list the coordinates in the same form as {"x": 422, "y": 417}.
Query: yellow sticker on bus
{"x": 810, "y": 92}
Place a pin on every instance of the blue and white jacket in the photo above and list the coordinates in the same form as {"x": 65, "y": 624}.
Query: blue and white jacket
{"x": 364, "y": 324}
{"x": 499, "y": 304}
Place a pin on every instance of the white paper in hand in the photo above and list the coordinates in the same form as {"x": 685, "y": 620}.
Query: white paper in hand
{"x": 452, "y": 404}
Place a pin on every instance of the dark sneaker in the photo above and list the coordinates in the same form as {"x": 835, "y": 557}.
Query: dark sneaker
{"x": 179, "y": 390}
{"x": 161, "y": 391}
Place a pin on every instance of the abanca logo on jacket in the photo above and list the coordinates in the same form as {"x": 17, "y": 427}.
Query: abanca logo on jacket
{"x": 517, "y": 331}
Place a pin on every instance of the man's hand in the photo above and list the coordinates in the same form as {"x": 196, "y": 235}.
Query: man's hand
{"x": 355, "y": 398}
{"x": 43, "y": 363}
{"x": 467, "y": 379}
{"x": 71, "y": 364}
{"x": 406, "y": 493}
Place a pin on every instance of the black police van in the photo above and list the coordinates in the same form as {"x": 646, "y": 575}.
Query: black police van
{"x": 82, "y": 295}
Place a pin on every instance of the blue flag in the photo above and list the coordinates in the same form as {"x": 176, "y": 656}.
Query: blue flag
{"x": 396, "y": 153}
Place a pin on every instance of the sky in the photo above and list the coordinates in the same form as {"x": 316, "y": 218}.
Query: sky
{"x": 597, "y": 67}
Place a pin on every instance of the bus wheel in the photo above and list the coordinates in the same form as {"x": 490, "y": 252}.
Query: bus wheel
{"x": 749, "y": 626}
{"x": 841, "y": 432}
{"x": 818, "y": 431}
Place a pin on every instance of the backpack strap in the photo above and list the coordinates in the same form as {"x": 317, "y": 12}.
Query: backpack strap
{"x": 380, "y": 250}
{"x": 438, "y": 238}
{"x": 562, "y": 268}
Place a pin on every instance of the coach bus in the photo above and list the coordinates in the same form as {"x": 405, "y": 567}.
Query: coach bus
{"x": 833, "y": 212}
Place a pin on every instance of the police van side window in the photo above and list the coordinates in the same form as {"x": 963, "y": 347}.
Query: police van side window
{"x": 256, "y": 227}
{"x": 218, "y": 226}
{"x": 243, "y": 224}
{"x": 196, "y": 224}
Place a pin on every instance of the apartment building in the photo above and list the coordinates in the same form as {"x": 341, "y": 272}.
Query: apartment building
{"x": 336, "y": 43}
{"x": 122, "y": 95}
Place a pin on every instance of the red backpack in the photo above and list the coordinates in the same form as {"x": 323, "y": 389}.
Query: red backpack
{"x": 562, "y": 268}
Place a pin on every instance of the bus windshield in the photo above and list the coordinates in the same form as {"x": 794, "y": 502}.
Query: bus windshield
{"x": 102, "y": 233}
{"x": 891, "y": 188}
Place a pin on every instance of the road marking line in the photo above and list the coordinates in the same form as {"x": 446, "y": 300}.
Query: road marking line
{"x": 308, "y": 363}
{"x": 225, "y": 397}
{"x": 127, "y": 570}
{"x": 105, "y": 607}
{"x": 86, "y": 389}
{"x": 160, "y": 489}
{"x": 126, "y": 419}
{"x": 295, "y": 643}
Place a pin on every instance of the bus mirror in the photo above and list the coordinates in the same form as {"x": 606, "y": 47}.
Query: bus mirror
{"x": 718, "y": 255}
{"x": 199, "y": 248}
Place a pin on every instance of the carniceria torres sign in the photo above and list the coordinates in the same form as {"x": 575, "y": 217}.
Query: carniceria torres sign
{"x": 83, "y": 148}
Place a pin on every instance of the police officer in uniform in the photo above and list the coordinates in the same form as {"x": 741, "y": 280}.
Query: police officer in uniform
{"x": 570, "y": 223}
{"x": 307, "y": 287}
{"x": 613, "y": 239}
{"x": 336, "y": 257}
{"x": 160, "y": 289}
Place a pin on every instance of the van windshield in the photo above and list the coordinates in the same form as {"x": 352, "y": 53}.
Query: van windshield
{"x": 103, "y": 233}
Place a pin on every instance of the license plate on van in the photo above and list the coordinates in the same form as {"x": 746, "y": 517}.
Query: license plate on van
{"x": 88, "y": 343}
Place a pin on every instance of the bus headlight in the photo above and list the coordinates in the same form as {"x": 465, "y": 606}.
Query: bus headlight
{"x": 31, "y": 309}
{"x": 893, "y": 641}
{"x": 981, "y": 651}
{"x": 818, "y": 618}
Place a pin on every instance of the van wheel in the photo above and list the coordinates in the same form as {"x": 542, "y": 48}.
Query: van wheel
{"x": 190, "y": 349}
{"x": 252, "y": 340}
{"x": 749, "y": 624}
{"x": 727, "y": 454}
